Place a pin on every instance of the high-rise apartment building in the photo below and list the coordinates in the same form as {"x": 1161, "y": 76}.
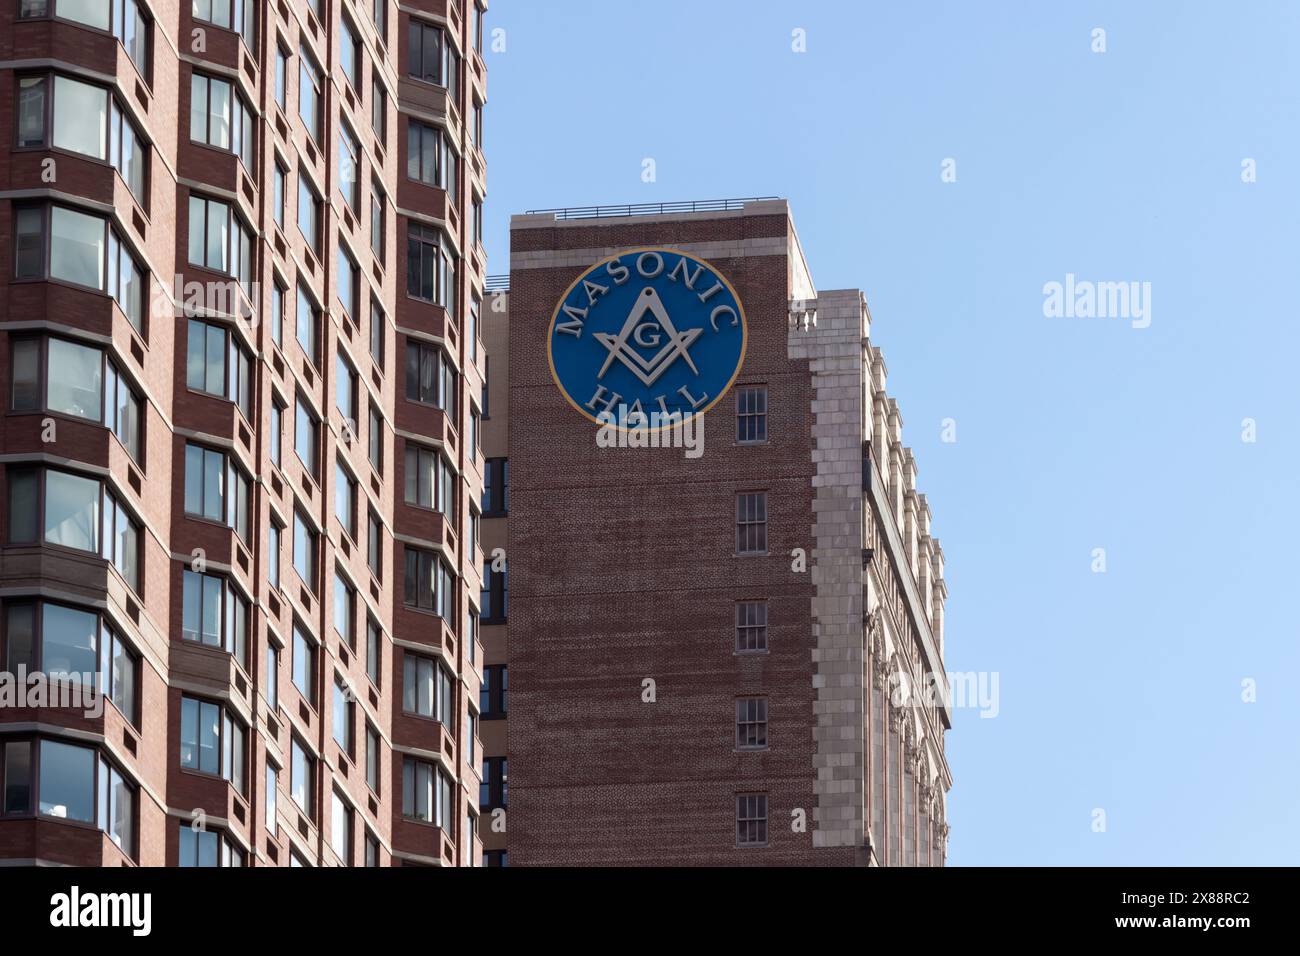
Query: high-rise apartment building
{"x": 241, "y": 372}
{"x": 721, "y": 656}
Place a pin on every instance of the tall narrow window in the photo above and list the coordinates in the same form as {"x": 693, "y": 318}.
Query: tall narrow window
{"x": 751, "y": 523}
{"x": 309, "y": 101}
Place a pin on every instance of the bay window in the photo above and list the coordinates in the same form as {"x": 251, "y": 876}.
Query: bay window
{"x": 216, "y": 363}
{"x": 216, "y": 488}
{"x": 430, "y": 377}
{"x": 206, "y": 848}
{"x": 219, "y": 240}
{"x": 426, "y": 793}
{"x": 70, "y": 378}
{"x": 214, "y": 613}
{"x": 213, "y": 741}
{"x": 426, "y": 688}
{"x": 238, "y": 16}
{"x": 430, "y": 267}
{"x": 219, "y": 117}
{"x": 428, "y": 583}
{"x": 430, "y": 481}
{"x": 432, "y": 57}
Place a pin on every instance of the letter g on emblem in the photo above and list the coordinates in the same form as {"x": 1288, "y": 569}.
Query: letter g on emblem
{"x": 648, "y": 330}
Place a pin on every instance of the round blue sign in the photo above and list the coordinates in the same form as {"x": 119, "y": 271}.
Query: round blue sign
{"x": 647, "y": 338}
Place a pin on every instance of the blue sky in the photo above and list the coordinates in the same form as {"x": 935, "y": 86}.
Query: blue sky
{"x": 1121, "y": 690}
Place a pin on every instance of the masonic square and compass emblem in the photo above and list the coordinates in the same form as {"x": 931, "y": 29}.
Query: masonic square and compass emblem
{"x": 653, "y": 331}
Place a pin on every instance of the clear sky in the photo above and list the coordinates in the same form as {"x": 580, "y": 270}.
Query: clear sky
{"x": 1120, "y": 690}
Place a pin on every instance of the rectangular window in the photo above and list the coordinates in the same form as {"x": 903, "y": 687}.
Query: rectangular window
{"x": 378, "y": 109}
{"x": 216, "y": 488}
{"x": 309, "y": 208}
{"x": 751, "y": 723}
{"x": 375, "y": 440}
{"x": 272, "y": 677}
{"x": 345, "y": 611}
{"x": 306, "y": 436}
{"x": 278, "y": 198}
{"x": 375, "y": 545}
{"x": 345, "y": 499}
{"x": 471, "y": 735}
{"x": 349, "y": 283}
{"x": 430, "y": 481}
{"x": 428, "y": 584}
{"x": 216, "y": 363}
{"x": 426, "y": 689}
{"x": 342, "y": 708}
{"x": 751, "y": 627}
{"x": 220, "y": 118}
{"x": 277, "y": 315}
{"x": 431, "y": 377}
{"x": 751, "y": 523}
{"x": 309, "y": 99}
{"x": 494, "y": 598}
{"x": 201, "y": 735}
{"x": 282, "y": 77}
{"x": 219, "y": 241}
{"x": 430, "y": 267}
{"x": 374, "y": 650}
{"x": 302, "y": 778}
{"x": 341, "y": 829}
{"x": 127, "y": 152}
{"x": 426, "y": 793}
{"x": 304, "y": 664}
{"x": 236, "y": 15}
{"x": 350, "y": 54}
{"x": 751, "y": 414}
{"x": 373, "y": 757}
{"x": 496, "y": 487}
{"x": 493, "y": 789}
{"x": 751, "y": 819}
{"x": 493, "y": 692}
{"x": 275, "y": 440}
{"x": 377, "y": 323}
{"x": 349, "y": 168}
{"x": 307, "y": 326}
{"x": 271, "y": 786}
{"x": 304, "y": 551}
{"x": 377, "y": 202}
{"x": 213, "y": 612}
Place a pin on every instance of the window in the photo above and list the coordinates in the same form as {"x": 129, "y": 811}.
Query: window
{"x": 341, "y": 829}
{"x": 378, "y": 108}
{"x": 272, "y": 677}
{"x": 426, "y": 793}
{"x": 496, "y": 487}
{"x": 345, "y": 607}
{"x": 471, "y": 536}
{"x": 350, "y": 54}
{"x": 430, "y": 267}
{"x": 377, "y": 323}
{"x": 309, "y": 220}
{"x": 373, "y": 757}
{"x": 430, "y": 377}
{"x": 751, "y": 627}
{"x": 281, "y": 77}
{"x": 428, "y": 584}
{"x": 346, "y": 392}
{"x": 426, "y": 689}
{"x": 72, "y": 783}
{"x": 379, "y": 14}
{"x": 476, "y": 29}
{"x": 71, "y": 645}
{"x": 306, "y": 436}
{"x": 304, "y": 550}
{"x": 277, "y": 201}
{"x": 471, "y": 633}
{"x": 213, "y": 612}
{"x": 276, "y": 439}
{"x": 751, "y": 523}
{"x": 372, "y": 849}
{"x": 345, "y": 499}
{"x": 216, "y": 363}
{"x": 493, "y": 692}
{"x": 237, "y": 15}
{"x": 348, "y": 286}
{"x": 206, "y": 848}
{"x": 430, "y": 481}
{"x": 375, "y": 440}
{"x": 431, "y": 57}
{"x": 32, "y": 100}
{"x": 472, "y": 446}
{"x": 309, "y": 101}
{"x": 471, "y": 735}
{"x": 304, "y": 664}
{"x": 216, "y": 488}
{"x": 430, "y": 156}
{"x": 271, "y": 786}
{"x": 478, "y": 125}
{"x": 496, "y": 858}
{"x": 302, "y": 778}
{"x": 374, "y": 650}
{"x": 56, "y": 242}
{"x": 349, "y": 168}
{"x": 127, "y": 152}
{"x": 751, "y": 819}
{"x": 751, "y": 723}
{"x": 751, "y": 414}
{"x": 375, "y": 545}
{"x": 58, "y": 375}
{"x": 342, "y": 716}
{"x": 493, "y": 791}
{"x": 476, "y": 222}
{"x": 219, "y": 241}
{"x": 220, "y": 118}
{"x": 212, "y": 741}
{"x": 277, "y": 315}
{"x": 494, "y": 598}
{"x": 377, "y": 202}
{"x": 307, "y": 326}
{"x": 66, "y": 510}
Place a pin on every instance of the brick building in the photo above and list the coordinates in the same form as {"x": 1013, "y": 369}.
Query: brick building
{"x": 705, "y": 652}
{"x": 241, "y": 373}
